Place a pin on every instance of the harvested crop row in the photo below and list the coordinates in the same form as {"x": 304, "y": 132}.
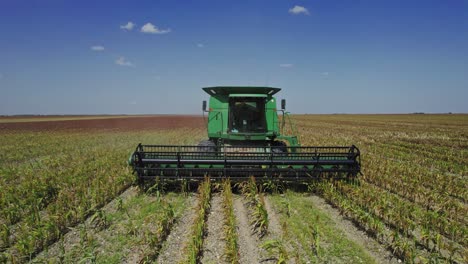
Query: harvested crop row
{"x": 256, "y": 202}
{"x": 230, "y": 230}
{"x": 194, "y": 248}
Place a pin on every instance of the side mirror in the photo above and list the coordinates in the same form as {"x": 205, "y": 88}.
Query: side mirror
{"x": 283, "y": 104}
{"x": 204, "y": 106}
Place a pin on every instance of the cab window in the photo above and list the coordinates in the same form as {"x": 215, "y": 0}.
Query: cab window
{"x": 247, "y": 115}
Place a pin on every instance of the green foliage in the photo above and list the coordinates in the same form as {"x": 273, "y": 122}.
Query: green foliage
{"x": 312, "y": 234}
{"x": 277, "y": 249}
{"x": 315, "y": 234}
{"x": 155, "y": 238}
{"x": 273, "y": 186}
{"x": 256, "y": 201}
{"x": 230, "y": 231}
{"x": 199, "y": 225}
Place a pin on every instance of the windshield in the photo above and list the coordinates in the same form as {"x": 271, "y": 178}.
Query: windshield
{"x": 247, "y": 115}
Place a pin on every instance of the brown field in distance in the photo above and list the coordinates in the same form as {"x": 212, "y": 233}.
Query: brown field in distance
{"x": 43, "y": 123}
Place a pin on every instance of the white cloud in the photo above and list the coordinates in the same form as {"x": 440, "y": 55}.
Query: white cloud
{"x": 152, "y": 29}
{"x": 122, "y": 62}
{"x": 296, "y": 10}
{"x": 286, "y": 65}
{"x": 97, "y": 48}
{"x": 200, "y": 45}
{"x": 129, "y": 26}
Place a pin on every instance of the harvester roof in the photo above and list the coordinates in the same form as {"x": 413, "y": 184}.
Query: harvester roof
{"x": 228, "y": 90}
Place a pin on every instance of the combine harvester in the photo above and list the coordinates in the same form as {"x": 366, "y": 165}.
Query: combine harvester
{"x": 245, "y": 138}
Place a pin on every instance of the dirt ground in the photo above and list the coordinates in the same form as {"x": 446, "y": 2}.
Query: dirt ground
{"x": 173, "y": 249}
{"x": 249, "y": 243}
{"x": 114, "y": 123}
{"x": 214, "y": 243}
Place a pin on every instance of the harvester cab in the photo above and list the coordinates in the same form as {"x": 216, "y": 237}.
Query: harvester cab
{"x": 246, "y": 138}
{"x": 246, "y": 116}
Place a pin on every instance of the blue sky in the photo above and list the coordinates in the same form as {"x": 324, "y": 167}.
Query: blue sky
{"x": 83, "y": 57}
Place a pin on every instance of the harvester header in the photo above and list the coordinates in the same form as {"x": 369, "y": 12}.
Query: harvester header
{"x": 246, "y": 138}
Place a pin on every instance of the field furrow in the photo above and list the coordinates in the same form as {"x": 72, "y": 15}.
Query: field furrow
{"x": 249, "y": 243}
{"x": 214, "y": 243}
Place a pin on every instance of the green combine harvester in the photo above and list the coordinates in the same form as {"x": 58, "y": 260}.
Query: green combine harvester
{"x": 245, "y": 138}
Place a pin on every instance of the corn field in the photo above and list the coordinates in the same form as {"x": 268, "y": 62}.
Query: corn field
{"x": 411, "y": 197}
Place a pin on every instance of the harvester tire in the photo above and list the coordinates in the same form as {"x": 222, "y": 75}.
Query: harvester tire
{"x": 207, "y": 146}
{"x": 279, "y": 147}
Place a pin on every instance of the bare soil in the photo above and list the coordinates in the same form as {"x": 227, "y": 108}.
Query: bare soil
{"x": 274, "y": 226}
{"x": 375, "y": 249}
{"x": 214, "y": 243}
{"x": 114, "y": 123}
{"x": 173, "y": 249}
{"x": 249, "y": 244}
